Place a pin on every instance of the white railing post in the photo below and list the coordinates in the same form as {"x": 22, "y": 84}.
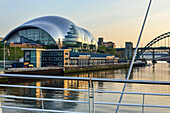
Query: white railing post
{"x": 42, "y": 102}
{"x": 93, "y": 96}
{"x": 89, "y": 94}
{"x": 143, "y": 103}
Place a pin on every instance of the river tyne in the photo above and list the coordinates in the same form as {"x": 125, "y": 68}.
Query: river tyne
{"x": 160, "y": 72}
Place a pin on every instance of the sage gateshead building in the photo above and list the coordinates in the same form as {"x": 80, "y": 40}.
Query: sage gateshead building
{"x": 53, "y": 31}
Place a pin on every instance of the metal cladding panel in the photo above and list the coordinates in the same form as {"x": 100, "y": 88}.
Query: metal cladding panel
{"x": 85, "y": 36}
{"x": 91, "y": 37}
{"x": 57, "y": 27}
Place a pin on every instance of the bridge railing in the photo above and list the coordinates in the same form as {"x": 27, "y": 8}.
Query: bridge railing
{"x": 90, "y": 90}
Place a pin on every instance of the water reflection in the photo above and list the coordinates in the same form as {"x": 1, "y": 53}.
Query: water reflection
{"x": 159, "y": 72}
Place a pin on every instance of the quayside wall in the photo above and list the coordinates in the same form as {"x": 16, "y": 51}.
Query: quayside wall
{"x": 66, "y": 70}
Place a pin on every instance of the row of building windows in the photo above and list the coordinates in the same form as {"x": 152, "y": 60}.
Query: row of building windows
{"x": 52, "y": 53}
{"x": 46, "y": 64}
{"x": 90, "y": 61}
{"x": 52, "y": 59}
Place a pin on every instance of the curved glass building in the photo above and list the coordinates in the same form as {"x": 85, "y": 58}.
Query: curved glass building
{"x": 53, "y": 30}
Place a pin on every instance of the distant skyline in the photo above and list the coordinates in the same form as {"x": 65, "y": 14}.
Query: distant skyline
{"x": 114, "y": 20}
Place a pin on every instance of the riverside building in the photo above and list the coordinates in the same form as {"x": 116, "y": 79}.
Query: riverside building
{"x": 64, "y": 58}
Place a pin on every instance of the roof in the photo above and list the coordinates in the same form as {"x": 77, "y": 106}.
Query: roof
{"x": 74, "y": 54}
{"x": 33, "y": 49}
{"x": 108, "y": 42}
{"x": 57, "y": 27}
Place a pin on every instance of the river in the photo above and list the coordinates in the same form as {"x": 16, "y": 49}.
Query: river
{"x": 160, "y": 72}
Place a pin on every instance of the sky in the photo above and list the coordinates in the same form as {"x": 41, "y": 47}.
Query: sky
{"x": 114, "y": 20}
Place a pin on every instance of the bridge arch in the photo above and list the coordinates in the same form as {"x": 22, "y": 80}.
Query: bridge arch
{"x": 155, "y": 40}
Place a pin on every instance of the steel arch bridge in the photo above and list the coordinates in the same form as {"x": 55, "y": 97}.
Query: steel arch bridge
{"x": 155, "y": 40}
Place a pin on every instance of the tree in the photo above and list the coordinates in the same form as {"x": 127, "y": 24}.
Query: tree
{"x": 102, "y": 49}
{"x": 111, "y": 51}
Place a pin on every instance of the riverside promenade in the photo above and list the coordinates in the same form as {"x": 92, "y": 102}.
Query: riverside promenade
{"x": 67, "y": 70}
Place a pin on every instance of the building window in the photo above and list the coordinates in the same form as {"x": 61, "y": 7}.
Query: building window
{"x": 55, "y": 53}
{"x": 27, "y": 55}
{"x": 66, "y": 53}
{"x": 60, "y": 53}
{"x": 60, "y": 59}
{"x": 60, "y": 64}
{"x": 66, "y": 63}
{"x": 55, "y": 59}
{"x": 36, "y": 36}
{"x": 66, "y": 58}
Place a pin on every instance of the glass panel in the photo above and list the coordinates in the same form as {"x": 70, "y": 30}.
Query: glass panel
{"x": 36, "y": 36}
{"x": 27, "y": 56}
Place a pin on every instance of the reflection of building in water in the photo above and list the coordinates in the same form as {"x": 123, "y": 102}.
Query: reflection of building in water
{"x": 38, "y": 92}
{"x": 73, "y": 84}
{"x": 2, "y": 93}
{"x": 77, "y": 84}
{"x": 0, "y": 108}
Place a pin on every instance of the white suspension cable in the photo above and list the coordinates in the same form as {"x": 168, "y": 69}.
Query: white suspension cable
{"x": 134, "y": 55}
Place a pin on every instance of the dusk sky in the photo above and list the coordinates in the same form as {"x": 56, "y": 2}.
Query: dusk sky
{"x": 115, "y": 20}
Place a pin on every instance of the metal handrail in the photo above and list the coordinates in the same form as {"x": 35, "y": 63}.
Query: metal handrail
{"x": 137, "y": 105}
{"x": 49, "y": 88}
{"x": 43, "y": 99}
{"x": 134, "y": 93}
{"x": 81, "y": 90}
{"x": 33, "y": 109}
{"x": 90, "y": 91}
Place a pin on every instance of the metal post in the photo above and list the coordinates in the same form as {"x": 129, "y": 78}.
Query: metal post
{"x": 89, "y": 94}
{"x": 42, "y": 102}
{"x": 93, "y": 96}
{"x": 143, "y": 103}
{"x": 4, "y": 55}
{"x": 15, "y": 52}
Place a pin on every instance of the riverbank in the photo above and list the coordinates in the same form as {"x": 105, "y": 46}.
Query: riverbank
{"x": 99, "y": 68}
{"x": 67, "y": 70}
{"x": 36, "y": 71}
